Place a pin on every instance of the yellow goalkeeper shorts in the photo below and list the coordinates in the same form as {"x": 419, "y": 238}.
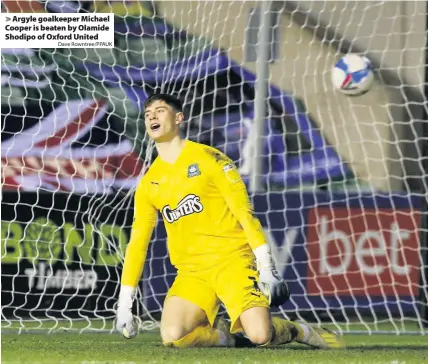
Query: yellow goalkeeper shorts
{"x": 234, "y": 283}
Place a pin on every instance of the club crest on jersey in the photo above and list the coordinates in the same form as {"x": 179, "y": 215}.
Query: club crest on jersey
{"x": 193, "y": 170}
{"x": 188, "y": 205}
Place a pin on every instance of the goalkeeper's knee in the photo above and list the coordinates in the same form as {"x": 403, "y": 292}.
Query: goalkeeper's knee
{"x": 260, "y": 337}
{"x": 172, "y": 335}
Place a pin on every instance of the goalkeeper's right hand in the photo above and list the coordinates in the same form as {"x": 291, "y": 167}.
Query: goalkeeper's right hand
{"x": 126, "y": 324}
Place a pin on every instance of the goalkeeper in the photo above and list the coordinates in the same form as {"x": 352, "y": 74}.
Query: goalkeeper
{"x": 213, "y": 238}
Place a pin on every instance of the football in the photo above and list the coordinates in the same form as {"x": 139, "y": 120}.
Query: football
{"x": 352, "y": 75}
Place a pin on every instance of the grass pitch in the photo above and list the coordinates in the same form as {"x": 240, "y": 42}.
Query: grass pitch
{"x": 68, "y": 342}
{"x": 146, "y": 348}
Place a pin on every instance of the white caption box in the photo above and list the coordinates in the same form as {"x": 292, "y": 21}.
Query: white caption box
{"x": 89, "y": 30}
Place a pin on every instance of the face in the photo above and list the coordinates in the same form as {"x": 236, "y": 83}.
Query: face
{"x": 162, "y": 121}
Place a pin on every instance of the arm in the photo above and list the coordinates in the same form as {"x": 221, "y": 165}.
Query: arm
{"x": 136, "y": 251}
{"x": 142, "y": 229}
{"x": 227, "y": 179}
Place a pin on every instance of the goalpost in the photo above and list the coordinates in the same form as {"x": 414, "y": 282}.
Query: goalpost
{"x": 337, "y": 182}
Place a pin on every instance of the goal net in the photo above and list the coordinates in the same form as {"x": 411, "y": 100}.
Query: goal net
{"x": 342, "y": 201}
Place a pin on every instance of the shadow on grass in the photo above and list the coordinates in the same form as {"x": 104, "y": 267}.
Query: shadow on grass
{"x": 295, "y": 347}
{"x": 422, "y": 348}
{"x": 390, "y": 347}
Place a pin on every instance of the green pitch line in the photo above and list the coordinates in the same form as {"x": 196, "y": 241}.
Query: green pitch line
{"x": 92, "y": 348}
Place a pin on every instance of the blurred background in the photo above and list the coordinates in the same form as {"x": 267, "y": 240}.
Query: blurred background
{"x": 342, "y": 181}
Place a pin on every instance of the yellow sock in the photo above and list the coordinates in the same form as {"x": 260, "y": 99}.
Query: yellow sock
{"x": 200, "y": 336}
{"x": 285, "y": 331}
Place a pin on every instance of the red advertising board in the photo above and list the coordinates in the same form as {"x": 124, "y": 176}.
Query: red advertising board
{"x": 363, "y": 252}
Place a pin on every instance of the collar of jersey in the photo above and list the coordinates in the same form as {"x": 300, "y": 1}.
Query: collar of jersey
{"x": 179, "y": 159}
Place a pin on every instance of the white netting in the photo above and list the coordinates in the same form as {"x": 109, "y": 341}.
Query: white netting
{"x": 342, "y": 176}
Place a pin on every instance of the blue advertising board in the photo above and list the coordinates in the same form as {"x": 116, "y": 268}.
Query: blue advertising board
{"x": 335, "y": 251}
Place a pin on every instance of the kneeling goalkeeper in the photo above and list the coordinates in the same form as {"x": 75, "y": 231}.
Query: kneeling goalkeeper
{"x": 213, "y": 238}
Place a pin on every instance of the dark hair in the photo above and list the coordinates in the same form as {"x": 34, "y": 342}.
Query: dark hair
{"x": 168, "y": 99}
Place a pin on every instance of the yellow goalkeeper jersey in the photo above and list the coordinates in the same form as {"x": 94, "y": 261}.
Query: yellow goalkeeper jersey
{"x": 205, "y": 207}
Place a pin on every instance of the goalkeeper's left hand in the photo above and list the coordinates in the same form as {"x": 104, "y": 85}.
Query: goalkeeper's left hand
{"x": 273, "y": 287}
{"x": 270, "y": 282}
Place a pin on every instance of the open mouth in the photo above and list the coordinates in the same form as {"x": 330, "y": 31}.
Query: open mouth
{"x": 155, "y": 126}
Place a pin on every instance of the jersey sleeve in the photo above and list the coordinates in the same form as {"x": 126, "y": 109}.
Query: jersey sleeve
{"x": 145, "y": 215}
{"x": 229, "y": 182}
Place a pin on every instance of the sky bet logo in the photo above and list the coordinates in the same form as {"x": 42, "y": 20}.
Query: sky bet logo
{"x": 363, "y": 252}
{"x": 188, "y": 205}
